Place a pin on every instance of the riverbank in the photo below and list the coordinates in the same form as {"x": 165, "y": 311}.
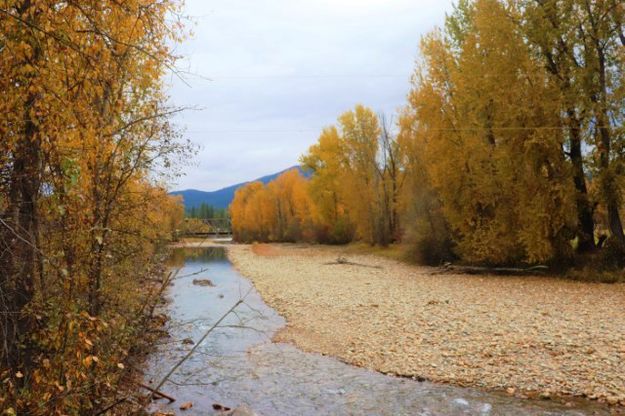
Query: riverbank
{"x": 528, "y": 336}
{"x": 195, "y": 242}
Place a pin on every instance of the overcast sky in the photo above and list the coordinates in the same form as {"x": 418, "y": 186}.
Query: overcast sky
{"x": 280, "y": 70}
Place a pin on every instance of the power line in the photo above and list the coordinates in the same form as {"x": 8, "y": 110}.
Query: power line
{"x": 253, "y": 131}
{"x": 311, "y": 76}
{"x": 293, "y": 76}
{"x": 469, "y": 129}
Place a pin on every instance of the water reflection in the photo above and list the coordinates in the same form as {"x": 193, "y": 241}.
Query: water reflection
{"x": 182, "y": 255}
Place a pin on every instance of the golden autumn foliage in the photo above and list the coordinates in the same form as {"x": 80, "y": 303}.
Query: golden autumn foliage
{"x": 580, "y": 44}
{"x": 502, "y": 106}
{"x": 356, "y": 179}
{"x": 327, "y": 187}
{"x": 85, "y": 134}
{"x": 280, "y": 211}
{"x": 509, "y": 150}
{"x": 358, "y": 145}
{"x": 503, "y": 185}
{"x": 353, "y": 192}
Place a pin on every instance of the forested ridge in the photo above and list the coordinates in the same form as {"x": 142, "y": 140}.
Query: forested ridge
{"x": 86, "y": 145}
{"x": 509, "y": 149}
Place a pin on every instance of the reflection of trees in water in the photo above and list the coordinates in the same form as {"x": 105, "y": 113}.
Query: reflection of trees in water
{"x": 189, "y": 255}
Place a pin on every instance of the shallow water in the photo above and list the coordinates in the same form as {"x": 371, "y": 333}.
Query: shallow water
{"x": 238, "y": 364}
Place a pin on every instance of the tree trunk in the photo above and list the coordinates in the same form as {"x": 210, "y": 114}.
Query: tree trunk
{"x": 586, "y": 223}
{"x": 19, "y": 265}
{"x": 610, "y": 187}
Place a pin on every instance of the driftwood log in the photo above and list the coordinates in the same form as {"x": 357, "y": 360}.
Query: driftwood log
{"x": 343, "y": 261}
{"x": 516, "y": 271}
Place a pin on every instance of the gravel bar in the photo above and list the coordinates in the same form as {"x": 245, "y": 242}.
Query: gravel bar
{"x": 528, "y": 336}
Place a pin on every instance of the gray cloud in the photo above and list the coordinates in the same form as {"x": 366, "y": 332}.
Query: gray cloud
{"x": 281, "y": 70}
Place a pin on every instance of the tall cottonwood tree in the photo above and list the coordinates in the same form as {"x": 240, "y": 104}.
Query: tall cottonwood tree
{"x": 360, "y": 132}
{"x": 489, "y": 144}
{"x": 425, "y": 228}
{"x": 581, "y": 43}
{"x": 324, "y": 160}
{"x": 391, "y": 170}
{"x": 357, "y": 177}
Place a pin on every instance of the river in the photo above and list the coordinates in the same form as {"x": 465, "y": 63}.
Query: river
{"x": 238, "y": 364}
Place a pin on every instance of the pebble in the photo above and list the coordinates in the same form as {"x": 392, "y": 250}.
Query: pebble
{"x": 461, "y": 402}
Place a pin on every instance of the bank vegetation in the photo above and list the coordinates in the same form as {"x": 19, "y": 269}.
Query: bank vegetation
{"x": 86, "y": 145}
{"x": 509, "y": 150}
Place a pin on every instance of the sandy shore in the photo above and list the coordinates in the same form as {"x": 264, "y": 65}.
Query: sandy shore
{"x": 525, "y": 335}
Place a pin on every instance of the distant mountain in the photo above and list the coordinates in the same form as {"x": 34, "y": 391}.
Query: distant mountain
{"x": 223, "y": 197}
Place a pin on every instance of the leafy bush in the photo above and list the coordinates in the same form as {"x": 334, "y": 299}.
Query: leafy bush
{"x": 431, "y": 250}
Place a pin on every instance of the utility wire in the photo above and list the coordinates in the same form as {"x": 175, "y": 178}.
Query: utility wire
{"x": 312, "y": 76}
{"x": 469, "y": 129}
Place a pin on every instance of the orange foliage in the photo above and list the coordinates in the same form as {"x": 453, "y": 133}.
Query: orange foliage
{"x": 279, "y": 211}
{"x": 84, "y": 133}
{"x": 353, "y": 192}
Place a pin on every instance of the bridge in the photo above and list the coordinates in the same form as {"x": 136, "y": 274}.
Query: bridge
{"x": 216, "y": 227}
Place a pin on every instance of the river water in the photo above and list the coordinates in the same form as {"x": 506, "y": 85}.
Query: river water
{"x": 238, "y": 364}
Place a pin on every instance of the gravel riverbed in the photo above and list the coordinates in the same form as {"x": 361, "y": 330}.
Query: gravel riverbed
{"x": 528, "y": 336}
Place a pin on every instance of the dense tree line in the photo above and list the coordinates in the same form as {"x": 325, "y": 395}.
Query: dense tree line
{"x": 509, "y": 150}
{"x": 205, "y": 211}
{"x": 279, "y": 211}
{"x": 84, "y": 131}
{"x": 353, "y": 192}
{"x": 194, "y": 222}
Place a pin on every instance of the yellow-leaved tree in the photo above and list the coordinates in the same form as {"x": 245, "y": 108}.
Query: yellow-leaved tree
{"x": 356, "y": 178}
{"x": 85, "y": 137}
{"x": 487, "y": 120}
{"x": 280, "y": 211}
{"x": 324, "y": 160}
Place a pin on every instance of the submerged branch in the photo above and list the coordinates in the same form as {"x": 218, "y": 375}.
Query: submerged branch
{"x": 192, "y": 350}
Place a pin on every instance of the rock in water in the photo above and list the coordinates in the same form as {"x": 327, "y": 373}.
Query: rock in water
{"x": 203, "y": 282}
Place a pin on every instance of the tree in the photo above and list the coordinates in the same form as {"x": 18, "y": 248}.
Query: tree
{"x": 360, "y": 132}
{"x": 426, "y": 231}
{"x": 581, "y": 43}
{"x": 85, "y": 135}
{"x": 393, "y": 175}
{"x": 482, "y": 104}
{"x": 357, "y": 178}
{"x": 281, "y": 211}
{"x": 324, "y": 160}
